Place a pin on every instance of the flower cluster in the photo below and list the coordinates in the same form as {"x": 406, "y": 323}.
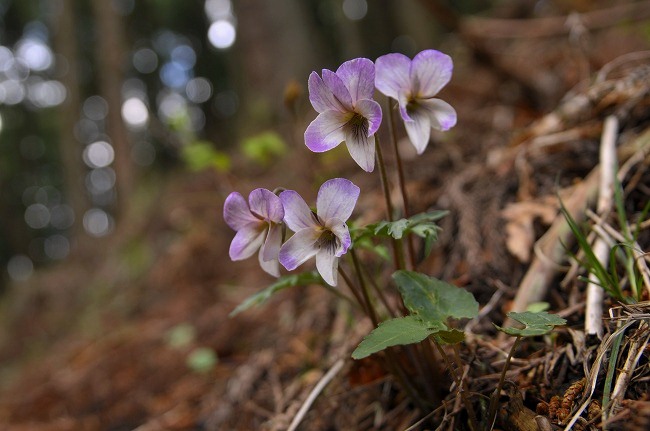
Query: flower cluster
{"x": 347, "y": 113}
{"x": 323, "y": 233}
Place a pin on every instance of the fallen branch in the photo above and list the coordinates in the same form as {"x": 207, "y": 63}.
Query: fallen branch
{"x": 608, "y": 163}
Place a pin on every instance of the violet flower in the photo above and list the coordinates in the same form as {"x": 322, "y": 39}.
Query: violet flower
{"x": 346, "y": 111}
{"x": 258, "y": 226}
{"x": 414, "y": 84}
{"x": 323, "y": 233}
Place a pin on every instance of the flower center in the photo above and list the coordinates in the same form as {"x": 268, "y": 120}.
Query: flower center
{"x": 329, "y": 241}
{"x": 358, "y": 125}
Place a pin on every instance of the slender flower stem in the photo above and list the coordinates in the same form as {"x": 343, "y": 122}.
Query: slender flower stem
{"x": 380, "y": 294}
{"x": 359, "y": 299}
{"x": 400, "y": 177}
{"x": 372, "y": 313}
{"x": 494, "y": 400}
{"x": 459, "y": 383}
{"x": 398, "y": 252}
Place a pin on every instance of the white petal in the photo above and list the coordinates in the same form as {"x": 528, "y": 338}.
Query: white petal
{"x": 246, "y": 242}
{"x": 419, "y": 129}
{"x": 297, "y": 214}
{"x": 430, "y": 71}
{"x": 392, "y": 74}
{"x": 441, "y": 114}
{"x": 361, "y": 148}
{"x": 271, "y": 266}
{"x": 299, "y": 248}
{"x": 327, "y": 265}
{"x": 336, "y": 199}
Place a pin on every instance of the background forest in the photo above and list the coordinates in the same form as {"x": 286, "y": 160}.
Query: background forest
{"x": 124, "y": 124}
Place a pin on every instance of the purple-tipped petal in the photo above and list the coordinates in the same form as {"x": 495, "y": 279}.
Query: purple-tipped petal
{"x": 299, "y": 248}
{"x": 336, "y": 199}
{"x": 271, "y": 266}
{"x": 266, "y": 204}
{"x": 358, "y": 75}
{"x": 371, "y": 111}
{"x": 246, "y": 242}
{"x": 327, "y": 265}
{"x": 297, "y": 214}
{"x": 326, "y": 131}
{"x": 320, "y": 96}
{"x": 392, "y": 74}
{"x": 441, "y": 114}
{"x": 419, "y": 130}
{"x": 361, "y": 148}
{"x": 335, "y": 84}
{"x": 271, "y": 246}
{"x": 402, "y": 100}
{"x": 430, "y": 71}
{"x": 340, "y": 229}
{"x": 236, "y": 212}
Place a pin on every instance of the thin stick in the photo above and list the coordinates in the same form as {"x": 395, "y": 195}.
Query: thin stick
{"x": 324, "y": 381}
{"x": 494, "y": 401}
{"x": 459, "y": 384}
{"x": 608, "y": 164}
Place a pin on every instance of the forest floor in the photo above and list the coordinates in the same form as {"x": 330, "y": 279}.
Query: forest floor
{"x": 133, "y": 331}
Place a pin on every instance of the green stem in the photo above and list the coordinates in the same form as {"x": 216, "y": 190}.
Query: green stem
{"x": 398, "y": 252}
{"x": 494, "y": 400}
{"x": 400, "y": 177}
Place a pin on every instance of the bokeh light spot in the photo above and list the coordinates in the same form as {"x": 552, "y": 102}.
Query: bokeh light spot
{"x": 56, "y": 247}
{"x": 62, "y": 216}
{"x": 198, "y": 90}
{"x": 100, "y": 180}
{"x": 222, "y": 34}
{"x": 217, "y": 9}
{"x": 97, "y": 222}
{"x": 36, "y": 54}
{"x": 95, "y": 108}
{"x": 173, "y": 75}
{"x": 135, "y": 113}
{"x": 98, "y": 154}
{"x": 145, "y": 60}
{"x": 355, "y": 9}
{"x": 20, "y": 267}
{"x": 184, "y": 56}
{"x": 37, "y": 216}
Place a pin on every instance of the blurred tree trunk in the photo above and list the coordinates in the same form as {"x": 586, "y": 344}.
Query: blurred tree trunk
{"x": 274, "y": 47}
{"x": 111, "y": 55}
{"x": 65, "y": 43}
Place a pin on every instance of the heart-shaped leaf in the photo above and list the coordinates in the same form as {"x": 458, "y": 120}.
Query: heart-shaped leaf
{"x": 540, "y": 323}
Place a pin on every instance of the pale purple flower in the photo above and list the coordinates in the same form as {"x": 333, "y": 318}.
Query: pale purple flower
{"x": 323, "y": 233}
{"x": 258, "y": 226}
{"x": 346, "y": 111}
{"x": 414, "y": 84}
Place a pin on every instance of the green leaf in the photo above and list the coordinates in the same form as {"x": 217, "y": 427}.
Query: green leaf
{"x": 452, "y": 336}
{"x": 393, "y": 332}
{"x": 200, "y": 155}
{"x": 540, "y": 323}
{"x": 264, "y": 147}
{"x": 422, "y": 225}
{"x": 292, "y": 280}
{"x": 202, "y": 360}
{"x": 434, "y": 300}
